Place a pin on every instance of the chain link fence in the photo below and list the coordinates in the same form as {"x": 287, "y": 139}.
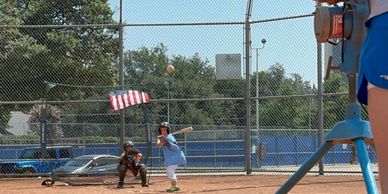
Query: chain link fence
{"x": 60, "y": 59}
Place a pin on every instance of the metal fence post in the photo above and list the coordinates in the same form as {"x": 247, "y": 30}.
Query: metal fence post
{"x": 320, "y": 104}
{"x": 121, "y": 73}
{"x": 248, "y": 165}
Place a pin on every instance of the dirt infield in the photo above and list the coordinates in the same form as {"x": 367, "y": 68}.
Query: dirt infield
{"x": 199, "y": 184}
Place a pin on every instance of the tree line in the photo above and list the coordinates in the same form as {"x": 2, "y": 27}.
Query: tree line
{"x": 89, "y": 57}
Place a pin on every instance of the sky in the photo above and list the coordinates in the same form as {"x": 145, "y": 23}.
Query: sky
{"x": 289, "y": 42}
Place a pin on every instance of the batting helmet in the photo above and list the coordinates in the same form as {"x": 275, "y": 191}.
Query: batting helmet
{"x": 164, "y": 124}
{"x": 128, "y": 144}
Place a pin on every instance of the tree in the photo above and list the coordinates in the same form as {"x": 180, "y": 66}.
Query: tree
{"x": 52, "y": 119}
{"x": 84, "y": 56}
{"x": 334, "y": 107}
{"x": 11, "y": 43}
{"x": 92, "y": 119}
{"x": 17, "y": 49}
{"x": 285, "y": 113}
{"x": 193, "y": 78}
{"x": 30, "y": 56}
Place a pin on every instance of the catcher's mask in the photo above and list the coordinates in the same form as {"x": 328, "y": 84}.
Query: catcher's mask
{"x": 164, "y": 124}
{"x": 128, "y": 144}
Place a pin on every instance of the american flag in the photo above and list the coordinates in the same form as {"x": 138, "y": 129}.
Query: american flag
{"x": 124, "y": 98}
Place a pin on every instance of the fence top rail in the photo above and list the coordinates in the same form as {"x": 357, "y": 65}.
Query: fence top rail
{"x": 117, "y": 25}
{"x": 177, "y": 100}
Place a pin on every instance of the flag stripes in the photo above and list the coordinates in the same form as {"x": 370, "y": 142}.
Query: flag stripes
{"x": 122, "y": 98}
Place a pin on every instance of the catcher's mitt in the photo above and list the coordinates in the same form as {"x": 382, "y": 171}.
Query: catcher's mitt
{"x": 48, "y": 183}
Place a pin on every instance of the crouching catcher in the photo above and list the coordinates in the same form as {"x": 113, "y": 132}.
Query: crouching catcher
{"x": 130, "y": 160}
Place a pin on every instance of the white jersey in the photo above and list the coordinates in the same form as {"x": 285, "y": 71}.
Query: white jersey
{"x": 377, "y": 7}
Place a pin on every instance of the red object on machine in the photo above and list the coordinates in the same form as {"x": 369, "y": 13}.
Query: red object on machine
{"x": 337, "y": 26}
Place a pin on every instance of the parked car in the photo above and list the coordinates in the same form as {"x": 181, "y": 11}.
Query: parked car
{"x": 30, "y": 160}
{"x": 82, "y": 169}
{"x": 89, "y": 165}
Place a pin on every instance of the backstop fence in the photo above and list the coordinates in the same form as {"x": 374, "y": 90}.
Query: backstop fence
{"x": 59, "y": 61}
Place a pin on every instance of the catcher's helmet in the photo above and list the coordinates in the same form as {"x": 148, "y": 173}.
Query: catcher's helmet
{"x": 128, "y": 144}
{"x": 164, "y": 124}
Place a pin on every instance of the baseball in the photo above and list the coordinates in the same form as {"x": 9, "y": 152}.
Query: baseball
{"x": 170, "y": 69}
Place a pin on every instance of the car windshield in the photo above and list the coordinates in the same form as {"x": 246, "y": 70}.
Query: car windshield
{"x": 78, "y": 162}
{"x": 30, "y": 154}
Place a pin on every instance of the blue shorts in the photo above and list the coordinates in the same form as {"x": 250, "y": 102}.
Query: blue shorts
{"x": 374, "y": 57}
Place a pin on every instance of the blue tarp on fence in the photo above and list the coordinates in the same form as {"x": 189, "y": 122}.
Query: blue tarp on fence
{"x": 275, "y": 150}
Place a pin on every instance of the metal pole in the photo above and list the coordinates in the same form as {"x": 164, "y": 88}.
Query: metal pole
{"x": 257, "y": 108}
{"x": 121, "y": 73}
{"x": 320, "y": 104}
{"x": 305, "y": 168}
{"x": 168, "y": 97}
{"x": 248, "y": 165}
{"x": 263, "y": 41}
{"x": 43, "y": 127}
{"x": 367, "y": 173}
{"x": 352, "y": 88}
{"x": 257, "y": 89}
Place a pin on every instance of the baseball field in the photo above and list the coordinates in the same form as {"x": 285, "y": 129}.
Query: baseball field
{"x": 197, "y": 184}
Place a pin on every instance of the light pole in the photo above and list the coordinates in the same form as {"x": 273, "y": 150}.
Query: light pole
{"x": 169, "y": 70}
{"x": 259, "y": 145}
{"x": 263, "y": 41}
{"x": 168, "y": 96}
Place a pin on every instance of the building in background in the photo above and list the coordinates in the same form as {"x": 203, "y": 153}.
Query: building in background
{"x": 18, "y": 123}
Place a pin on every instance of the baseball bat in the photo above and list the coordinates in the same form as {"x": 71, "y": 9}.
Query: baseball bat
{"x": 184, "y": 130}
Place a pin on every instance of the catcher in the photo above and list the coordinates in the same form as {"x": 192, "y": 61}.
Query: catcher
{"x": 130, "y": 160}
